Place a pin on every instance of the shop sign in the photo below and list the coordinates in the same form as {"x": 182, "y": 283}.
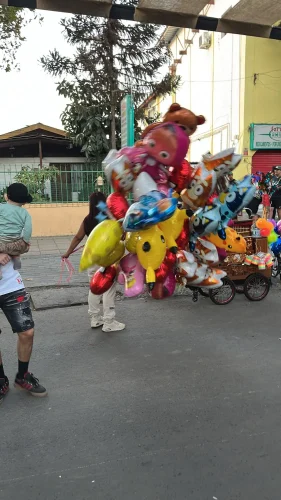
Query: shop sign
{"x": 265, "y": 136}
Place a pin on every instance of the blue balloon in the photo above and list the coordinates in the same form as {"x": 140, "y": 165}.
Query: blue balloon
{"x": 152, "y": 208}
{"x": 276, "y": 247}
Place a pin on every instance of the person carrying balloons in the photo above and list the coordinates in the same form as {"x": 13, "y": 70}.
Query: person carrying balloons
{"x": 108, "y": 322}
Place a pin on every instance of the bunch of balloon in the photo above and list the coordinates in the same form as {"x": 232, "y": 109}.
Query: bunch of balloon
{"x": 266, "y": 228}
{"x": 160, "y": 240}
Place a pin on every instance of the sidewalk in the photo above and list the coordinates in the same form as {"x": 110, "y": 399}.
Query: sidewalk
{"x": 41, "y": 266}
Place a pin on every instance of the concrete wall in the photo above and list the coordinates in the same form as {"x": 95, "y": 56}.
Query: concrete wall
{"x": 57, "y": 219}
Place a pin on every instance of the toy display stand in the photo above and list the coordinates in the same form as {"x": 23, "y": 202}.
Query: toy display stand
{"x": 242, "y": 278}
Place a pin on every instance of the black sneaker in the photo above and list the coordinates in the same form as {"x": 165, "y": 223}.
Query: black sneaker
{"x": 4, "y": 388}
{"x": 30, "y": 384}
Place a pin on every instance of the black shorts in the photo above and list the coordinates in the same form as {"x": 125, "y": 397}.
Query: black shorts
{"x": 16, "y": 307}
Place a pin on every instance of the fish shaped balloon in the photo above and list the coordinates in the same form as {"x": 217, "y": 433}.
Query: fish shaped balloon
{"x": 151, "y": 209}
{"x": 215, "y": 217}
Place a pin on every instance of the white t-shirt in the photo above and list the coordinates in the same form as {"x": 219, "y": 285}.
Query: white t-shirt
{"x": 11, "y": 279}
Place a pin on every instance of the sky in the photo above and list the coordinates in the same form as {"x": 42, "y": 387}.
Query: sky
{"x": 29, "y": 96}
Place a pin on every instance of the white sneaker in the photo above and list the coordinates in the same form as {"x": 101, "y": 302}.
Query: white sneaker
{"x": 113, "y": 326}
{"x": 96, "y": 322}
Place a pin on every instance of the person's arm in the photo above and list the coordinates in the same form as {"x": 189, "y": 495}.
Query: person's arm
{"x": 27, "y": 229}
{"x": 75, "y": 242}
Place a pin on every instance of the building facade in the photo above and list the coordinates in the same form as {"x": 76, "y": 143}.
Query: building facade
{"x": 235, "y": 82}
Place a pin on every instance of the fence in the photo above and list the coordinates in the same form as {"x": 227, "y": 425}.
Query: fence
{"x": 68, "y": 183}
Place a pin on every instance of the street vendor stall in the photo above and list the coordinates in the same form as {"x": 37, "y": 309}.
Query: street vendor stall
{"x": 247, "y": 273}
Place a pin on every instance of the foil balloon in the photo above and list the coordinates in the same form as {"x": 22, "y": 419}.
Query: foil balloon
{"x": 202, "y": 185}
{"x": 180, "y": 176}
{"x": 239, "y": 196}
{"x": 172, "y": 228}
{"x": 206, "y": 252}
{"x": 223, "y": 162}
{"x": 103, "y": 280}
{"x": 233, "y": 242}
{"x": 183, "y": 238}
{"x": 119, "y": 172}
{"x": 205, "y": 221}
{"x": 164, "y": 289}
{"x": 143, "y": 185}
{"x": 187, "y": 120}
{"x": 186, "y": 264}
{"x": 148, "y": 211}
{"x": 215, "y": 217}
{"x": 103, "y": 246}
{"x": 131, "y": 242}
{"x": 166, "y": 267}
{"x": 151, "y": 251}
{"x": 167, "y": 144}
{"x": 131, "y": 275}
{"x": 117, "y": 205}
{"x": 205, "y": 277}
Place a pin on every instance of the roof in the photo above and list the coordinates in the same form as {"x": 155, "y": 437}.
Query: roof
{"x": 32, "y": 128}
{"x": 246, "y": 17}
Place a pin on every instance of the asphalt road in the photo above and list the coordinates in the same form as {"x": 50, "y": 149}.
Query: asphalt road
{"x": 184, "y": 404}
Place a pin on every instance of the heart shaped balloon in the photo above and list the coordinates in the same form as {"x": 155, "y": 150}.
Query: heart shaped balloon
{"x": 166, "y": 267}
{"x": 103, "y": 280}
{"x": 183, "y": 238}
{"x": 180, "y": 176}
{"x": 117, "y": 205}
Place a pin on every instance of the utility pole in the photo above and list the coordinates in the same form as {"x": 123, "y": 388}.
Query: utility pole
{"x": 112, "y": 85}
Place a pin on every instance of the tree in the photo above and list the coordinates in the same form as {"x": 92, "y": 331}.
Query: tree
{"x": 35, "y": 180}
{"x": 111, "y": 59}
{"x": 12, "y": 22}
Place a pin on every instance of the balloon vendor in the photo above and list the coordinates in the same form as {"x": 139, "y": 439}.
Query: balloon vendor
{"x": 102, "y": 282}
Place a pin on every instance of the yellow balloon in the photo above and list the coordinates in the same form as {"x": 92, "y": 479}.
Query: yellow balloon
{"x": 102, "y": 242}
{"x": 131, "y": 242}
{"x": 172, "y": 227}
{"x": 151, "y": 251}
{"x": 234, "y": 242}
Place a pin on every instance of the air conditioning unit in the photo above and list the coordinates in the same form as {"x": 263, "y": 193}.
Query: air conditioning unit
{"x": 205, "y": 40}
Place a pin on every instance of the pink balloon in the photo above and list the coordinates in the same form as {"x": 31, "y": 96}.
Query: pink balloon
{"x": 162, "y": 290}
{"x": 131, "y": 275}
